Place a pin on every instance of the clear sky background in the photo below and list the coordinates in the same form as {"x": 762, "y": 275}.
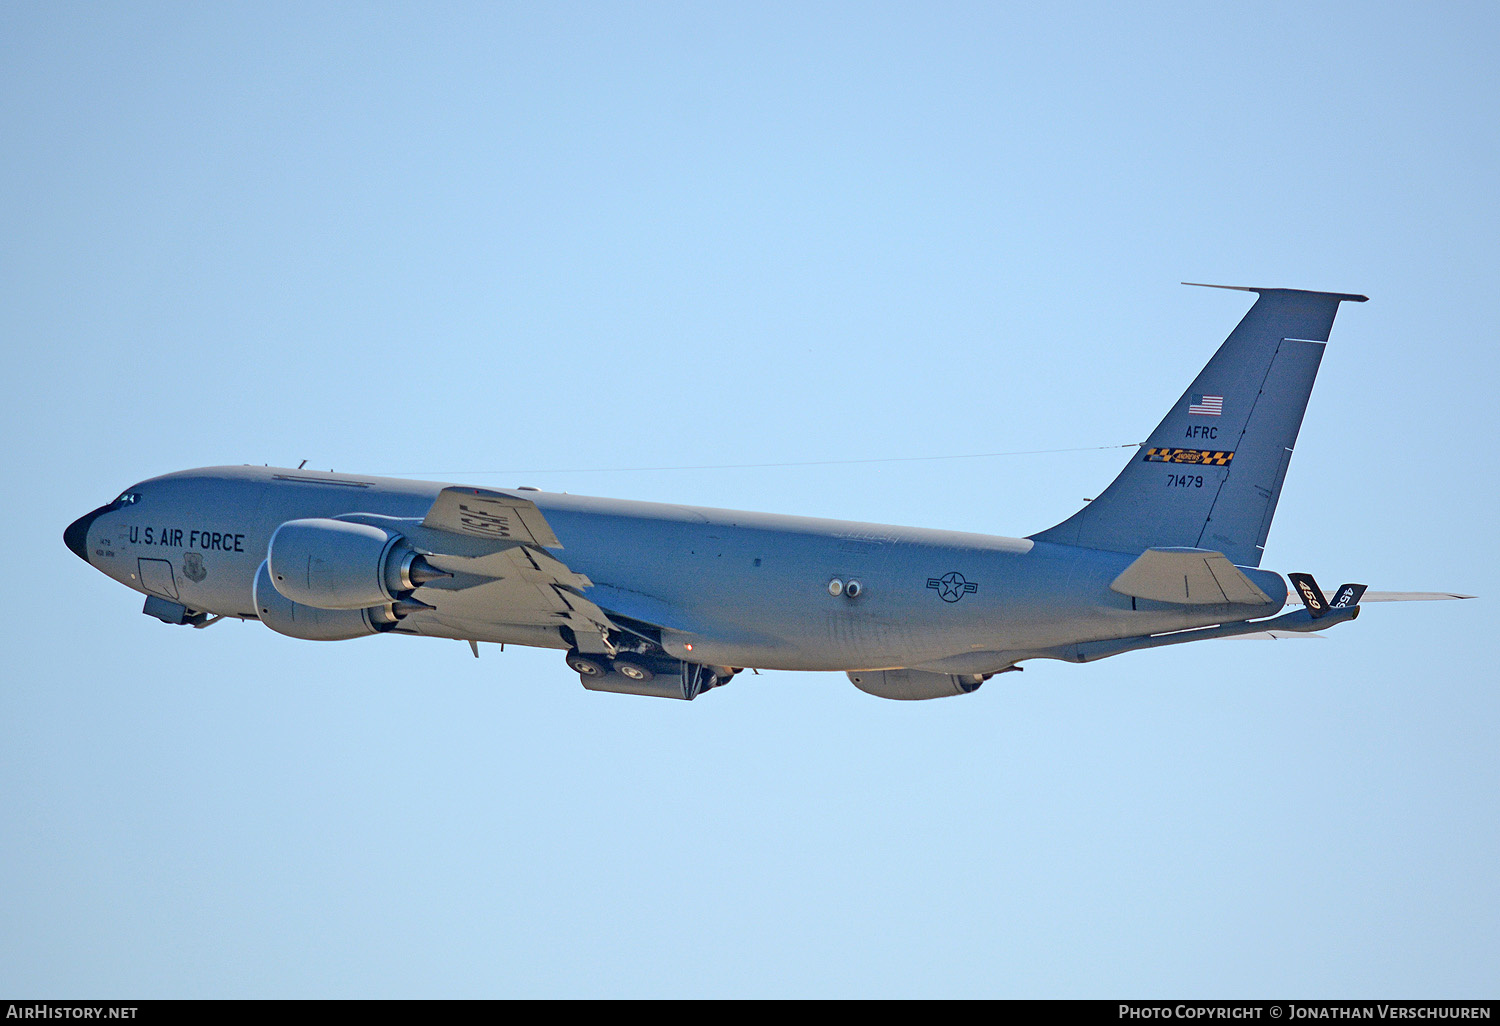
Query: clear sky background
{"x": 507, "y": 244}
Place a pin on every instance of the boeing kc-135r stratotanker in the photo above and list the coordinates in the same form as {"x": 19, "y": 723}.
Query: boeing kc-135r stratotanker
{"x": 653, "y": 599}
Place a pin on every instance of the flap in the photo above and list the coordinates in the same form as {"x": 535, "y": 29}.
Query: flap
{"x": 496, "y": 516}
{"x": 645, "y": 608}
{"x": 516, "y": 585}
{"x": 1190, "y": 577}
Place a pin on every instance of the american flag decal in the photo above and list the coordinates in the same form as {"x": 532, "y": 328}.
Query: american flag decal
{"x": 1206, "y": 406}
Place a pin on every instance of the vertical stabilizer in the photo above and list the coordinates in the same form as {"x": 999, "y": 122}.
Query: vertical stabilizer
{"x": 1210, "y": 474}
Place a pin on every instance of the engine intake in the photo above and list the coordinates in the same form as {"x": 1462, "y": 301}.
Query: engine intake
{"x": 333, "y": 564}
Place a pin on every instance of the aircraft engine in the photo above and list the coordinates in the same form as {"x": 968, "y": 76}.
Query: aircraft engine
{"x": 914, "y": 685}
{"x": 310, "y": 623}
{"x": 333, "y": 564}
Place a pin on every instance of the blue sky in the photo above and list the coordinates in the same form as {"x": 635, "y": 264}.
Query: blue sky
{"x": 505, "y": 243}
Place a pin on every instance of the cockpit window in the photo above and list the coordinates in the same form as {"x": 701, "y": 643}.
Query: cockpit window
{"x": 127, "y": 499}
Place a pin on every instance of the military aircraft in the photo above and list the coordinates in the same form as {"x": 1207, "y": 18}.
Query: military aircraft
{"x": 655, "y": 599}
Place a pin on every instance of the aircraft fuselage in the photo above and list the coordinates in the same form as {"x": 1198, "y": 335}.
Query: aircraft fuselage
{"x": 733, "y": 588}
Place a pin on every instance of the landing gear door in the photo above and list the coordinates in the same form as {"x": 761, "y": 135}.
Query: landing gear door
{"x": 157, "y": 577}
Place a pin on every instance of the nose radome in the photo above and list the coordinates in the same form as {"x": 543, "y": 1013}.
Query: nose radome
{"x": 76, "y": 537}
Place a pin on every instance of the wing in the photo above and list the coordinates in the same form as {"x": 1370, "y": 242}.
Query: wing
{"x": 491, "y": 515}
{"x": 517, "y": 586}
{"x": 495, "y": 544}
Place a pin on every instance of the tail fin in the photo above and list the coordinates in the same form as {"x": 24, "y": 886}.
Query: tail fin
{"x": 1210, "y": 474}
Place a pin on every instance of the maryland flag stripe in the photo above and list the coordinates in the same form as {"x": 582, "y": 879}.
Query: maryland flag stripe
{"x": 1200, "y": 457}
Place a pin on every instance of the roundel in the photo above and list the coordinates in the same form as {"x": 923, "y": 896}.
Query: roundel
{"x": 952, "y": 586}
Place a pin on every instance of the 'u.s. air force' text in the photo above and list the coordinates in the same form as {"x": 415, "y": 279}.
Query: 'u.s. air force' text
{"x": 177, "y": 538}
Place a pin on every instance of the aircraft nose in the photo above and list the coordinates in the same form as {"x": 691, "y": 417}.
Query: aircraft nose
{"x": 76, "y": 537}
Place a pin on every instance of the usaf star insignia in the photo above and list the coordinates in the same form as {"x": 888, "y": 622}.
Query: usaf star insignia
{"x": 951, "y": 586}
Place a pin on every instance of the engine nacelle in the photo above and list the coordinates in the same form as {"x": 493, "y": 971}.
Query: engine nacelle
{"x": 333, "y": 564}
{"x": 297, "y": 620}
{"x": 914, "y": 685}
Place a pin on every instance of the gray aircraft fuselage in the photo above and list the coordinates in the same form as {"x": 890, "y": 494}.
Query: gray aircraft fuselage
{"x": 1169, "y": 552}
{"x": 754, "y": 586}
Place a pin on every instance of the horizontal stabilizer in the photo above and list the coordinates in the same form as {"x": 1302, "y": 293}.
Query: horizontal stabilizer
{"x": 1193, "y": 577}
{"x": 1396, "y": 596}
